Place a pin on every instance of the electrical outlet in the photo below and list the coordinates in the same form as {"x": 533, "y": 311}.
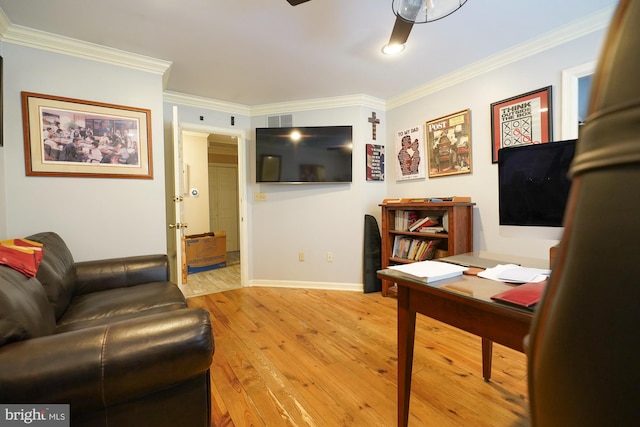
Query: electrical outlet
{"x": 259, "y": 196}
{"x": 329, "y": 256}
{"x": 301, "y": 256}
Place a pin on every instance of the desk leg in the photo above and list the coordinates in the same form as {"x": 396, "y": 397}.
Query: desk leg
{"x": 487, "y": 353}
{"x": 406, "y": 339}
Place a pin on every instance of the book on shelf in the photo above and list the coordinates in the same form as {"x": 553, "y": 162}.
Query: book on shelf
{"x": 405, "y": 219}
{"x": 453, "y": 199}
{"x": 388, "y": 201}
{"x": 414, "y": 249}
{"x": 427, "y": 221}
{"x": 438, "y": 229}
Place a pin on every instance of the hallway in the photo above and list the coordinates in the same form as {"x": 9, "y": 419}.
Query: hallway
{"x": 217, "y": 280}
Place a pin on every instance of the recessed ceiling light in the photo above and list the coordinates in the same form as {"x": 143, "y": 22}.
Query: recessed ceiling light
{"x": 392, "y": 49}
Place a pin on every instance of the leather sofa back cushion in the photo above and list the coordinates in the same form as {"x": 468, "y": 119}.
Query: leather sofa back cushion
{"x": 56, "y": 272}
{"x": 25, "y": 311}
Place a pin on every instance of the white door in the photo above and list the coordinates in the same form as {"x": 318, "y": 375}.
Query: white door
{"x": 224, "y": 211}
{"x": 178, "y": 197}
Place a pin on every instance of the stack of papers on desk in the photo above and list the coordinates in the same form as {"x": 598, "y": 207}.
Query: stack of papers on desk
{"x": 431, "y": 271}
{"x": 512, "y": 273}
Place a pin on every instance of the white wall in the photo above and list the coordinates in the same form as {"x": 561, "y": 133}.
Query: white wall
{"x": 477, "y": 94}
{"x": 315, "y": 218}
{"x": 98, "y": 218}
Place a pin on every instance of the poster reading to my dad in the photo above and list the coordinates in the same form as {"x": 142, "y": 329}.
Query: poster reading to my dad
{"x": 410, "y": 154}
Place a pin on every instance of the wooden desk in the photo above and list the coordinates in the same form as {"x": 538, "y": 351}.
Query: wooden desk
{"x": 476, "y": 313}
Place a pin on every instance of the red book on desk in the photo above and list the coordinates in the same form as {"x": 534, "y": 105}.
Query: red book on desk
{"x": 525, "y": 295}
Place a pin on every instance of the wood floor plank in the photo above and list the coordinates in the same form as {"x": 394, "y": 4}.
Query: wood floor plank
{"x": 301, "y": 357}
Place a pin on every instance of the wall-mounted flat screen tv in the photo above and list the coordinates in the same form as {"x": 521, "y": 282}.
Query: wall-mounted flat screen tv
{"x": 304, "y": 155}
{"x": 533, "y": 183}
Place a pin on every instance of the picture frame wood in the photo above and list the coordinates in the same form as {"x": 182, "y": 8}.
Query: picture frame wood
{"x": 67, "y": 137}
{"x": 449, "y": 144}
{"x": 521, "y": 120}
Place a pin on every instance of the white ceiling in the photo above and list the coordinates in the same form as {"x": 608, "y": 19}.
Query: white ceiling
{"x": 255, "y": 52}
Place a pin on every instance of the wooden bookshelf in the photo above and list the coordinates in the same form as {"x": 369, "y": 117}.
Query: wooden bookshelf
{"x": 457, "y": 239}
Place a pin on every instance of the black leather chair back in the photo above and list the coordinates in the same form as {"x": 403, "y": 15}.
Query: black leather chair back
{"x": 584, "y": 347}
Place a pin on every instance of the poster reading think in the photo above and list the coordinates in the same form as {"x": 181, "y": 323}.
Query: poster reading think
{"x": 520, "y": 123}
{"x": 410, "y": 154}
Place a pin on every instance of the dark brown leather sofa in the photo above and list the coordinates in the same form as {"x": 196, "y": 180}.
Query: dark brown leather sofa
{"x": 112, "y": 338}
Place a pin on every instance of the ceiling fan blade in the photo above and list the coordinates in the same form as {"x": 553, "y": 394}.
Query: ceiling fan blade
{"x": 400, "y": 33}
{"x": 296, "y": 2}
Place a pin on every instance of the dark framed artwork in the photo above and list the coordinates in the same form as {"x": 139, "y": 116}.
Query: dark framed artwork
{"x": 375, "y": 162}
{"x": 521, "y": 120}
{"x": 449, "y": 144}
{"x": 76, "y": 138}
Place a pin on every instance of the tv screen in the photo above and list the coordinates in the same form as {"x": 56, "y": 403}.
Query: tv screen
{"x": 533, "y": 184}
{"x": 320, "y": 154}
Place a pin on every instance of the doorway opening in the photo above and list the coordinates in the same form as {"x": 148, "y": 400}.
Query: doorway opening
{"x": 218, "y": 207}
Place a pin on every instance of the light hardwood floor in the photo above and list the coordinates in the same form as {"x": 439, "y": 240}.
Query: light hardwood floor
{"x": 217, "y": 280}
{"x": 299, "y": 357}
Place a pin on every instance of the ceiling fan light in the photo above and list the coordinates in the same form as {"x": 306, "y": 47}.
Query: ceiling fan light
{"x": 421, "y": 11}
{"x": 392, "y": 48}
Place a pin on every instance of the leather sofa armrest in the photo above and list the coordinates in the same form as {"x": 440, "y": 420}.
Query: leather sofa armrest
{"x": 100, "y": 275}
{"x": 102, "y": 366}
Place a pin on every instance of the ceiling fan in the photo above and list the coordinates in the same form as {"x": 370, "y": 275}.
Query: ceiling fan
{"x": 401, "y": 28}
{"x": 409, "y": 12}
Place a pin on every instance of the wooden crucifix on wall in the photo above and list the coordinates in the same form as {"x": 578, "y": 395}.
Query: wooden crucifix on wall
{"x": 374, "y": 122}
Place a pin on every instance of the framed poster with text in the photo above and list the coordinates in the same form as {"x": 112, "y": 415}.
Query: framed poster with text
{"x": 410, "y": 154}
{"x": 522, "y": 120}
{"x": 375, "y": 162}
{"x": 449, "y": 144}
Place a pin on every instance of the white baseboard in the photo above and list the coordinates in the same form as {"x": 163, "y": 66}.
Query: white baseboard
{"x": 357, "y": 287}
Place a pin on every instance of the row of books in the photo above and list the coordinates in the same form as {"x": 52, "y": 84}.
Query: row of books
{"x": 414, "y": 249}
{"x": 404, "y": 219}
{"x": 410, "y": 221}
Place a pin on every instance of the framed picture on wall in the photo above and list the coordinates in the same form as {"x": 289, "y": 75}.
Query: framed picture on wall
{"x": 410, "y": 154}
{"x": 449, "y": 144}
{"x": 76, "y": 138}
{"x": 375, "y": 162}
{"x": 521, "y": 120}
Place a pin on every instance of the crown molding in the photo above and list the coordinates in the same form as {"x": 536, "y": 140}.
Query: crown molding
{"x": 319, "y": 104}
{"x": 589, "y": 24}
{"x": 4, "y": 23}
{"x": 277, "y": 108}
{"x": 23, "y": 36}
{"x": 201, "y": 102}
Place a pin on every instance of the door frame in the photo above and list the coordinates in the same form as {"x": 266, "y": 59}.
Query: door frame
{"x": 242, "y": 188}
